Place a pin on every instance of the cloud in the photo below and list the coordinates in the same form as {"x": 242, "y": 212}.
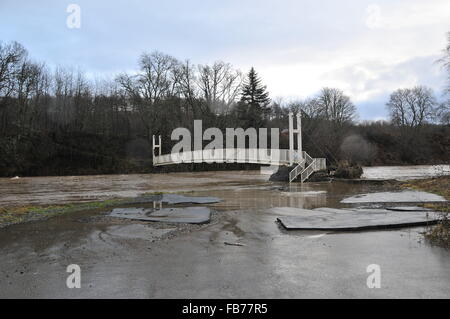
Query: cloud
{"x": 369, "y": 79}
{"x": 373, "y": 20}
{"x": 407, "y": 14}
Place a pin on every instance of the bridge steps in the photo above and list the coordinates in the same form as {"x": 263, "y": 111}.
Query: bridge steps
{"x": 313, "y": 165}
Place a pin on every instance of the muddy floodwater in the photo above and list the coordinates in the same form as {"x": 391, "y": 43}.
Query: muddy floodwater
{"x": 243, "y": 252}
{"x": 68, "y": 189}
{"x": 405, "y": 172}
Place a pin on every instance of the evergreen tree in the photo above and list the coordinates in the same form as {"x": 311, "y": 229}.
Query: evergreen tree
{"x": 252, "y": 109}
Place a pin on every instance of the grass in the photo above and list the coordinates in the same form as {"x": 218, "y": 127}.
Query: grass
{"x": 439, "y": 234}
{"x": 438, "y": 185}
{"x": 20, "y": 214}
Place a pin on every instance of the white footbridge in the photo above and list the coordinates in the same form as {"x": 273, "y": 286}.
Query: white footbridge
{"x": 305, "y": 165}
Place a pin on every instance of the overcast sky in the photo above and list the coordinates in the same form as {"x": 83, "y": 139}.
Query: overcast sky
{"x": 366, "y": 48}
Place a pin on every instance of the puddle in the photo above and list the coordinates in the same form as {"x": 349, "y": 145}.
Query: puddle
{"x": 181, "y": 199}
{"x": 138, "y": 231}
{"x": 315, "y": 236}
{"x": 172, "y": 199}
{"x": 188, "y": 215}
{"x": 325, "y": 218}
{"x": 306, "y": 193}
{"x": 394, "y": 197}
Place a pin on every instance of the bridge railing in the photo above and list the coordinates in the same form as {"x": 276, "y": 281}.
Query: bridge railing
{"x": 320, "y": 164}
{"x": 230, "y": 155}
{"x": 297, "y": 170}
{"x": 306, "y": 165}
{"x": 307, "y": 171}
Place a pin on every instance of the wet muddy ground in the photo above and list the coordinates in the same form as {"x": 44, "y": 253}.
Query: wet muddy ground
{"x": 242, "y": 252}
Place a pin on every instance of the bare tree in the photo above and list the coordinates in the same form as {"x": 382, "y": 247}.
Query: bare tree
{"x": 188, "y": 88}
{"x": 12, "y": 56}
{"x": 220, "y": 85}
{"x": 445, "y": 61}
{"x": 26, "y": 89}
{"x": 443, "y": 112}
{"x": 131, "y": 90}
{"x": 334, "y": 105}
{"x": 310, "y": 107}
{"x": 62, "y": 109}
{"x": 412, "y": 107}
{"x": 157, "y": 76}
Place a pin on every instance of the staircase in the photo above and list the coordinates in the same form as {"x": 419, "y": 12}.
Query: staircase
{"x": 297, "y": 170}
{"x": 312, "y": 165}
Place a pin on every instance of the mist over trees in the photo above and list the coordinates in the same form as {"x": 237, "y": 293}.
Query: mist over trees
{"x": 57, "y": 121}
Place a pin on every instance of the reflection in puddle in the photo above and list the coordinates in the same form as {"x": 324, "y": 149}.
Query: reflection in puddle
{"x": 307, "y": 193}
{"x": 315, "y": 236}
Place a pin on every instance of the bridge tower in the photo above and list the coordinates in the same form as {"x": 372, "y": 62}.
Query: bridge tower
{"x": 298, "y": 132}
{"x": 156, "y": 146}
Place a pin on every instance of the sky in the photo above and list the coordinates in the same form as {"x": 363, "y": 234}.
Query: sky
{"x": 365, "y": 48}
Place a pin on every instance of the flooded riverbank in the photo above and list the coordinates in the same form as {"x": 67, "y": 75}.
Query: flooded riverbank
{"x": 68, "y": 189}
{"x": 403, "y": 173}
{"x": 241, "y": 252}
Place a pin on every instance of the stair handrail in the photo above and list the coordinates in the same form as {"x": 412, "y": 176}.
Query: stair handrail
{"x": 297, "y": 170}
{"x": 308, "y": 171}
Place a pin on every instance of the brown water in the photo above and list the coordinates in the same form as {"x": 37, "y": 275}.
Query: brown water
{"x": 240, "y": 189}
{"x": 405, "y": 172}
{"x": 64, "y": 189}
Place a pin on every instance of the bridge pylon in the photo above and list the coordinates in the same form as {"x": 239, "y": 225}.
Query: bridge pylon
{"x": 292, "y": 133}
{"x": 156, "y": 146}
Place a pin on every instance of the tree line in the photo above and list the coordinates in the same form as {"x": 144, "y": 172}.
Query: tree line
{"x": 58, "y": 121}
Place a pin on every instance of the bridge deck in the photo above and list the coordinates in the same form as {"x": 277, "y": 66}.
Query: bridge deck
{"x": 231, "y": 155}
{"x": 306, "y": 165}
